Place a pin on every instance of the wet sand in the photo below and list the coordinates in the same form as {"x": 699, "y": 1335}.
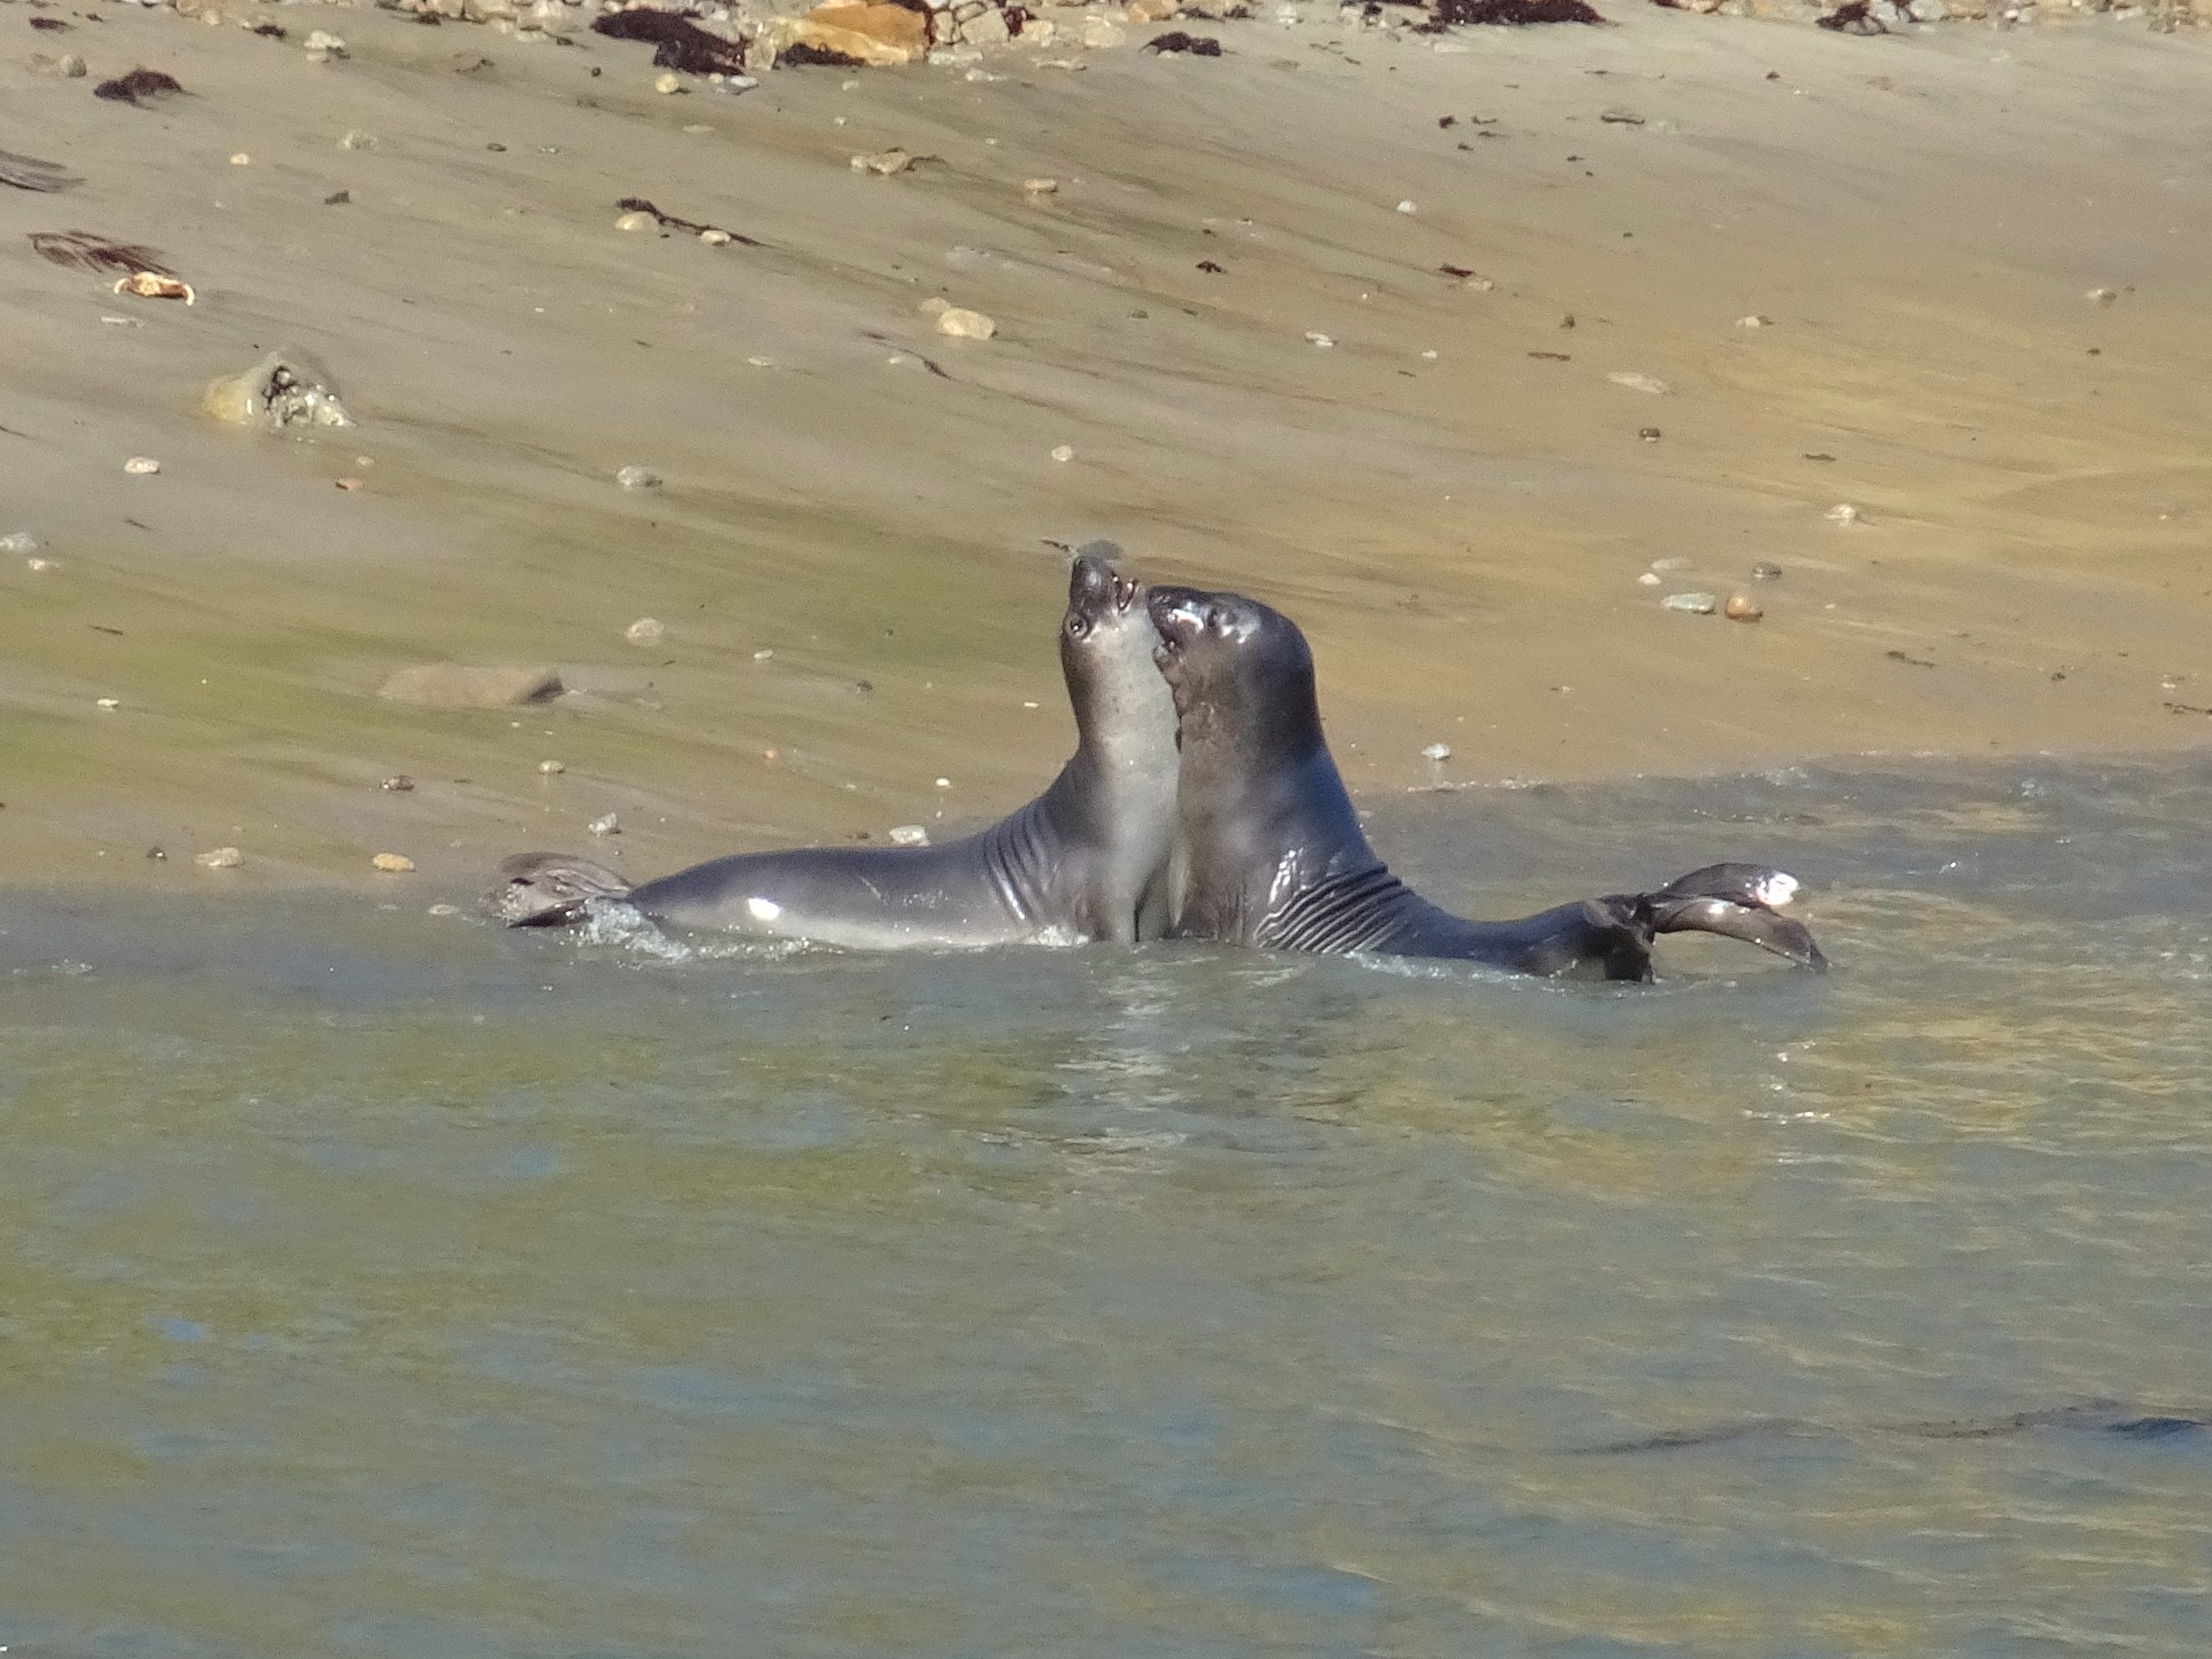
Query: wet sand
{"x": 1921, "y": 219}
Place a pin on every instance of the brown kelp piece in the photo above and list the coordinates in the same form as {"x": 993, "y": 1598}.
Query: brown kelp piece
{"x": 679, "y": 43}
{"x": 29, "y": 173}
{"x": 139, "y": 87}
{"x": 1452, "y": 14}
{"x": 1176, "y": 39}
{"x": 806, "y": 52}
{"x": 670, "y": 222}
{"x": 83, "y": 250}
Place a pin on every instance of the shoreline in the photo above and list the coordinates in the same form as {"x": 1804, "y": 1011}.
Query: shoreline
{"x": 1458, "y": 535}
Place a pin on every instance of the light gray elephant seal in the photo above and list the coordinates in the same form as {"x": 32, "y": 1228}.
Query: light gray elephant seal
{"x": 1276, "y": 858}
{"x": 1086, "y": 860}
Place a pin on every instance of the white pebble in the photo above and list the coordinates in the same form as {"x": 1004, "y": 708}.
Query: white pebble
{"x": 220, "y": 858}
{"x": 668, "y": 81}
{"x": 551, "y": 768}
{"x": 638, "y": 477}
{"x": 609, "y": 825}
{"x": 1843, "y": 513}
{"x": 965, "y": 325}
{"x": 1407, "y": 207}
{"x": 141, "y": 466}
{"x": 909, "y": 835}
{"x": 646, "y": 631}
{"x": 1437, "y": 752}
{"x": 714, "y": 238}
{"x": 110, "y": 703}
{"x": 1696, "y": 604}
{"x": 944, "y": 783}
{"x": 1064, "y": 452}
{"x": 1314, "y": 337}
{"x": 1753, "y": 321}
{"x": 1649, "y": 579}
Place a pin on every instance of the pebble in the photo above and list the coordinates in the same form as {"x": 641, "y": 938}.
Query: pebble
{"x": 884, "y": 162}
{"x": 1639, "y": 382}
{"x": 1437, "y": 752}
{"x": 1064, "y": 452}
{"x": 551, "y": 768}
{"x": 1740, "y": 609}
{"x": 965, "y": 325}
{"x": 109, "y": 703}
{"x": 398, "y": 783}
{"x": 2102, "y": 296}
{"x": 1695, "y": 604}
{"x": 241, "y": 160}
{"x": 142, "y": 466}
{"x": 1315, "y": 337}
{"x": 909, "y": 835}
{"x": 67, "y": 67}
{"x": 668, "y": 81}
{"x": 1040, "y": 187}
{"x": 39, "y": 564}
{"x": 609, "y": 825}
{"x": 637, "y": 222}
{"x": 646, "y": 631}
{"x": 357, "y": 139}
{"x": 1649, "y": 579}
{"x": 393, "y": 863}
{"x": 1843, "y": 513}
{"x": 1765, "y": 570}
{"x": 713, "y": 237}
{"x": 456, "y": 685}
{"x": 1753, "y": 321}
{"x": 638, "y": 477}
{"x": 1649, "y": 434}
{"x": 321, "y": 47}
{"x": 1407, "y": 207}
{"x": 20, "y": 541}
{"x": 219, "y": 858}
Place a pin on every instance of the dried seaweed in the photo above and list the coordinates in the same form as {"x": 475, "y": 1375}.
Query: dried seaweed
{"x": 1852, "y": 18}
{"x": 1450, "y": 14}
{"x": 1176, "y": 39}
{"x": 807, "y": 52}
{"x": 670, "y": 222}
{"x": 83, "y": 250}
{"x": 54, "y": 23}
{"x": 29, "y": 173}
{"x": 679, "y": 43}
{"x": 138, "y": 86}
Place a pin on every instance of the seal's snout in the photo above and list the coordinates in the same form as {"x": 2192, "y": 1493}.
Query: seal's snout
{"x": 1092, "y": 583}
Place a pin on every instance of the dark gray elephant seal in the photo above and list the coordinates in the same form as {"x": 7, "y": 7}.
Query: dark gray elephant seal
{"x": 1086, "y": 860}
{"x": 1276, "y": 858}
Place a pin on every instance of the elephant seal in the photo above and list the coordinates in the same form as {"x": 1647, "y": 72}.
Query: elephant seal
{"x": 1086, "y": 860}
{"x": 1275, "y": 857}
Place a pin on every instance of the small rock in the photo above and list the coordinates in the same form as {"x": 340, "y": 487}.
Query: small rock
{"x": 1695, "y": 604}
{"x": 551, "y": 768}
{"x": 1843, "y": 513}
{"x": 1437, "y": 752}
{"x": 714, "y": 238}
{"x": 1321, "y": 342}
{"x": 1639, "y": 382}
{"x": 609, "y": 825}
{"x": 393, "y": 863}
{"x": 241, "y": 160}
{"x": 1649, "y": 434}
{"x": 909, "y": 835}
{"x": 398, "y": 783}
{"x": 646, "y": 631}
{"x": 142, "y": 466}
{"x": 358, "y": 140}
{"x": 1407, "y": 207}
{"x": 219, "y": 858}
{"x": 1740, "y": 609}
{"x": 1064, "y": 452}
{"x": 285, "y": 389}
{"x": 1765, "y": 570}
{"x": 884, "y": 162}
{"x": 637, "y": 222}
{"x": 108, "y": 703}
{"x": 39, "y": 564}
{"x": 2102, "y": 296}
{"x": 638, "y": 477}
{"x": 1754, "y": 322}
{"x": 67, "y": 67}
{"x": 1617, "y": 117}
{"x": 455, "y": 686}
{"x": 323, "y": 46}
{"x": 965, "y": 325}
{"x": 668, "y": 81}
{"x": 1040, "y": 187}
{"x": 1649, "y": 579}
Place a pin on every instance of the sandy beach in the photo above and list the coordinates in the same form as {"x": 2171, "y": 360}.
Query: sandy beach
{"x": 1976, "y": 258}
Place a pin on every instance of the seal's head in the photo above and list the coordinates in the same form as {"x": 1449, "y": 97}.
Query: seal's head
{"x": 1106, "y": 652}
{"x": 1235, "y": 665}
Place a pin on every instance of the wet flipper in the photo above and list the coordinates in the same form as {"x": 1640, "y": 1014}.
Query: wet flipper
{"x": 549, "y": 889}
{"x": 1737, "y": 901}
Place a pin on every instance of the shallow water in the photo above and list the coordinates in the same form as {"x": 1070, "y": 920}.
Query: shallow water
{"x": 383, "y": 1284}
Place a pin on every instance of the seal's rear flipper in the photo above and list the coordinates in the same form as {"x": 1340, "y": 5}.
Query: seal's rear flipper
{"x": 549, "y": 889}
{"x": 1739, "y": 901}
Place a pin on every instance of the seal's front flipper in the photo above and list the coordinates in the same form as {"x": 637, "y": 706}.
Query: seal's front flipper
{"x": 549, "y": 889}
{"x": 1738, "y": 901}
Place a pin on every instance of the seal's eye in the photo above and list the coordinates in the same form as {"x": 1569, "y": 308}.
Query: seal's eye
{"x": 1079, "y": 625}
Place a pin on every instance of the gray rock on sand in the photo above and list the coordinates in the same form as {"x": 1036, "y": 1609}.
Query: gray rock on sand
{"x": 285, "y": 389}
{"x": 456, "y": 685}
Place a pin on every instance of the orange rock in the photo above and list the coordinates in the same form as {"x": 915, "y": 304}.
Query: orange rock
{"x": 883, "y": 34}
